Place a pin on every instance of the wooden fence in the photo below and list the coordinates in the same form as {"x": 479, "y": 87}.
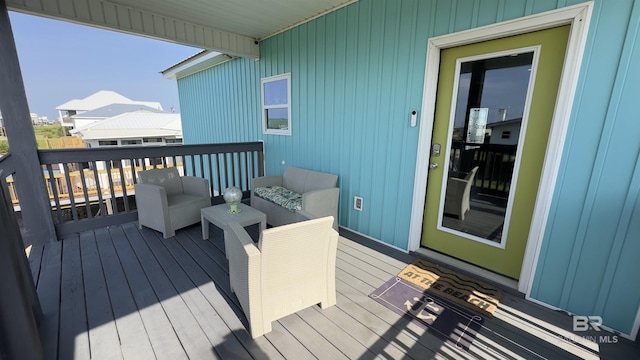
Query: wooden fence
{"x": 64, "y": 142}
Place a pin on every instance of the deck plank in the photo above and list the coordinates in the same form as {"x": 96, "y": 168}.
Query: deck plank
{"x": 192, "y": 338}
{"x": 202, "y": 269}
{"x": 385, "y": 331}
{"x": 359, "y": 277}
{"x": 373, "y": 279}
{"x": 208, "y": 319}
{"x": 134, "y": 340}
{"x": 162, "y": 335}
{"x": 337, "y": 336}
{"x": 286, "y": 343}
{"x": 404, "y": 330}
{"x": 497, "y": 328}
{"x": 310, "y": 337}
{"x": 73, "y": 338}
{"x": 147, "y": 297}
{"x": 49, "y": 295}
{"x": 103, "y": 334}
{"x": 311, "y": 340}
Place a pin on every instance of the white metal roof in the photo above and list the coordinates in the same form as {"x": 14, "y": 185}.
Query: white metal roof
{"x": 228, "y": 26}
{"x": 136, "y": 124}
{"x": 112, "y": 110}
{"x": 104, "y": 98}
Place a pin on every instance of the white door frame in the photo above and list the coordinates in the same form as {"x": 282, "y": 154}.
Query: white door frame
{"x": 578, "y": 16}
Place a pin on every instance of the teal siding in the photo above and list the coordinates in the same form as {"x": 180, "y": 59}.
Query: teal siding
{"x": 588, "y": 262}
{"x": 221, "y": 105}
{"x": 359, "y": 71}
{"x": 348, "y": 122}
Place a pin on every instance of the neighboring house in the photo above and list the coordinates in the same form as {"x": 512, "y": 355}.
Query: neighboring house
{"x": 138, "y": 128}
{"x": 100, "y": 99}
{"x": 336, "y": 94}
{"x": 108, "y": 111}
{"x": 133, "y": 128}
{"x": 504, "y": 132}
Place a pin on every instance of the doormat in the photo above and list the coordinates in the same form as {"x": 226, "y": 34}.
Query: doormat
{"x": 462, "y": 290}
{"x": 444, "y": 319}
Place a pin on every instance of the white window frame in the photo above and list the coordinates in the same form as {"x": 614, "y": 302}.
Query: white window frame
{"x": 123, "y": 142}
{"x": 264, "y": 108}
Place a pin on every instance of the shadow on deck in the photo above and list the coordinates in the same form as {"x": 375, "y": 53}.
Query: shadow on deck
{"x": 121, "y": 292}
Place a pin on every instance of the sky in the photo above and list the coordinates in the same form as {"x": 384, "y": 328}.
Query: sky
{"x": 62, "y": 61}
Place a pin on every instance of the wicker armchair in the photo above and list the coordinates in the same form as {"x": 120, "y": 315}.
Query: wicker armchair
{"x": 291, "y": 268}
{"x": 456, "y": 201}
{"x": 167, "y": 202}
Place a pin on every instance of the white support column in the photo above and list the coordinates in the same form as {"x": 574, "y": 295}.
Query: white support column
{"x": 29, "y": 179}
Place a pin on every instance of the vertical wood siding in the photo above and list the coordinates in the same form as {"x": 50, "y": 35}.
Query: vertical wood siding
{"x": 358, "y": 72}
{"x": 589, "y": 259}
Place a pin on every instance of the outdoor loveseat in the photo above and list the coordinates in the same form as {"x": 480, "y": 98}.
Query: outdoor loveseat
{"x": 297, "y": 195}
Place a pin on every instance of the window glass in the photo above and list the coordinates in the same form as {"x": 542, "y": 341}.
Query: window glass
{"x": 131, "y": 142}
{"x": 275, "y": 92}
{"x": 277, "y": 118}
{"x": 276, "y": 105}
{"x": 152, "y": 140}
{"x": 491, "y": 99}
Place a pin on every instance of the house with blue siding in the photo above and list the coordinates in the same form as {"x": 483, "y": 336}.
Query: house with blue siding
{"x": 398, "y": 97}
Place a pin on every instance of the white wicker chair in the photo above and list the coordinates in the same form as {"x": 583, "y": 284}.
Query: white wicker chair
{"x": 167, "y": 202}
{"x": 456, "y": 201}
{"x": 293, "y": 267}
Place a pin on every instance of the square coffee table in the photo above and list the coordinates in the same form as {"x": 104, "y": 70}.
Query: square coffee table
{"x": 218, "y": 216}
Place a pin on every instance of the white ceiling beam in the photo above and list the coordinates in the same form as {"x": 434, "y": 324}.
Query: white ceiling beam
{"x": 111, "y": 16}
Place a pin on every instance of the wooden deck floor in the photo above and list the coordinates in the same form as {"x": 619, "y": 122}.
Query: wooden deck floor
{"x": 120, "y": 292}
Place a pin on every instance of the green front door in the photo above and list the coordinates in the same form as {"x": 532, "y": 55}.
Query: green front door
{"x": 494, "y": 107}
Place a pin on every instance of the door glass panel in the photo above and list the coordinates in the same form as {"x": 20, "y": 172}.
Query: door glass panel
{"x": 483, "y": 145}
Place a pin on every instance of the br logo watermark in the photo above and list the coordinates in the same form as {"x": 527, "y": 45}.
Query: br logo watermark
{"x": 586, "y": 323}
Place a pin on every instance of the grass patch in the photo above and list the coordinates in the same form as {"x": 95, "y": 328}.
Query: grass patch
{"x": 47, "y": 137}
{"x": 49, "y": 131}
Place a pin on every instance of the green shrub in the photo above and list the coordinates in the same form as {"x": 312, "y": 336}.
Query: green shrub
{"x": 50, "y": 131}
{"x": 4, "y": 146}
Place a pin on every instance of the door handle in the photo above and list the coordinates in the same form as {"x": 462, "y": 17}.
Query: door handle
{"x": 433, "y": 165}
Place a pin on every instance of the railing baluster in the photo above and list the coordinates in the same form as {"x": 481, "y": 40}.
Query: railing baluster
{"x": 225, "y": 168}
{"x": 85, "y": 192}
{"x": 232, "y": 169}
{"x": 123, "y": 186}
{"x": 211, "y": 180}
{"x": 54, "y": 192}
{"x": 246, "y": 170}
{"x": 114, "y": 202}
{"x": 220, "y": 189}
{"x": 96, "y": 179}
{"x": 72, "y": 197}
{"x": 201, "y": 165}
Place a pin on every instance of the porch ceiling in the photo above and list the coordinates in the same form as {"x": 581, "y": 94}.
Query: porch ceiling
{"x": 230, "y": 27}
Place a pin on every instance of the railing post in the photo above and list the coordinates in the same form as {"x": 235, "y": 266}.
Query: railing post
{"x": 29, "y": 180}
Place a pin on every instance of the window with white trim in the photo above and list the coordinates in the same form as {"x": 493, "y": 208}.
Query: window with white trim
{"x": 276, "y": 104}
{"x": 130, "y": 142}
